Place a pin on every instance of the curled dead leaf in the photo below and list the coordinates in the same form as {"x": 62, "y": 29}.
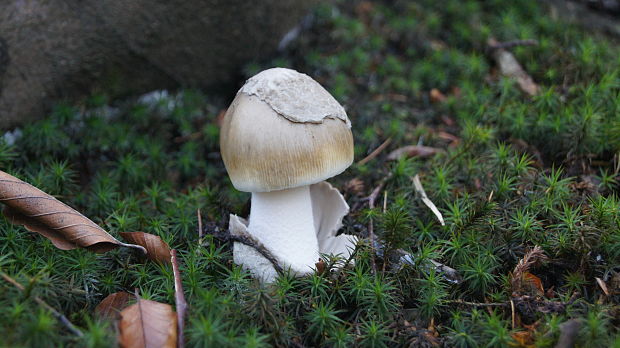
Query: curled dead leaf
{"x": 148, "y": 324}
{"x": 320, "y": 266}
{"x": 64, "y": 226}
{"x": 602, "y": 285}
{"x": 522, "y": 339}
{"x": 110, "y": 307}
{"x": 156, "y": 249}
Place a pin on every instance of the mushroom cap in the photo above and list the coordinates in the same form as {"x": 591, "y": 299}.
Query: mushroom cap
{"x": 284, "y": 130}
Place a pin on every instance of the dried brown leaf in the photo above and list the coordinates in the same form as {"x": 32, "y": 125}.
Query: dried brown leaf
{"x": 521, "y": 276}
{"x": 436, "y": 96}
{"x": 156, "y": 249}
{"x": 413, "y": 151}
{"x": 64, "y": 226}
{"x": 534, "y": 283}
{"x": 523, "y": 339}
{"x": 111, "y": 306}
{"x": 603, "y": 285}
{"x": 148, "y": 324}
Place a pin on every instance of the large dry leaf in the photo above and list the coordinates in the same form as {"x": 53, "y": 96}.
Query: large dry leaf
{"x": 148, "y": 324}
{"x": 156, "y": 249}
{"x": 39, "y": 212}
{"x": 111, "y": 306}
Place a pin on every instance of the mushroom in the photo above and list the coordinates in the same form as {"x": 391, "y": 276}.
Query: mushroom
{"x": 281, "y": 137}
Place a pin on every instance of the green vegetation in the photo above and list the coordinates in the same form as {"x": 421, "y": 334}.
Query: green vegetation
{"x": 517, "y": 171}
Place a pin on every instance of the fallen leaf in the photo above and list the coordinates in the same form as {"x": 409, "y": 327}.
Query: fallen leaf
{"x": 447, "y": 120}
{"x": 454, "y": 140}
{"x": 156, "y": 249}
{"x": 436, "y": 96}
{"x": 521, "y": 279}
{"x": 534, "y": 282}
{"x": 522, "y": 339}
{"x": 64, "y": 226}
{"x": 510, "y": 67}
{"x": 320, "y": 267}
{"x": 148, "y": 324}
{"x": 602, "y": 284}
{"x": 413, "y": 151}
{"x": 111, "y": 306}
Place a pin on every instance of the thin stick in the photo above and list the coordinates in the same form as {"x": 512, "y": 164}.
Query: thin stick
{"x": 59, "y": 316}
{"x": 247, "y": 239}
{"x": 376, "y": 152}
{"x": 384, "y": 201}
{"x": 179, "y": 297}
{"x": 371, "y": 229}
{"x": 476, "y": 304}
{"x": 513, "y": 43}
{"x": 200, "y": 231}
{"x": 513, "y": 314}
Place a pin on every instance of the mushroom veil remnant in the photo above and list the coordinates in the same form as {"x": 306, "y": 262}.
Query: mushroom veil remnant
{"x": 282, "y": 136}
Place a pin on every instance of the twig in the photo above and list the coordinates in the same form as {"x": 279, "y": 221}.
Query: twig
{"x": 246, "y": 239}
{"x": 476, "y": 304}
{"x": 200, "y": 231}
{"x": 179, "y": 297}
{"x": 59, "y": 316}
{"x": 513, "y": 43}
{"x": 513, "y": 315}
{"x": 371, "y": 231}
{"x": 376, "y": 152}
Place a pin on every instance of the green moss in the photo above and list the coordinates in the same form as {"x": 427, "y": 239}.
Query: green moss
{"x": 517, "y": 171}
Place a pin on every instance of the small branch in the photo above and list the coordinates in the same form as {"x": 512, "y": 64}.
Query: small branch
{"x": 371, "y": 231}
{"x": 476, "y": 304}
{"x": 179, "y": 297}
{"x": 376, "y": 152}
{"x": 246, "y": 239}
{"x": 200, "y": 231}
{"x": 513, "y": 43}
{"x": 59, "y": 316}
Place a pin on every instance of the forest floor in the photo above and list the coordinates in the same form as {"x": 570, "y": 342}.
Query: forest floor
{"x": 509, "y": 116}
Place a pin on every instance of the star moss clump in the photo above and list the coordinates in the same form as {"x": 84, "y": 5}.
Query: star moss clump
{"x": 516, "y": 171}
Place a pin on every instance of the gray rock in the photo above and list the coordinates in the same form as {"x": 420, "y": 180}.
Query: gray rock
{"x": 65, "y": 49}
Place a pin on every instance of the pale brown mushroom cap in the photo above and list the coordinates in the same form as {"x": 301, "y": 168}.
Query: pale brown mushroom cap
{"x": 264, "y": 150}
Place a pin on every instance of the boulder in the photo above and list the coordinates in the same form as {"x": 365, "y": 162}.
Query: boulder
{"x": 66, "y": 49}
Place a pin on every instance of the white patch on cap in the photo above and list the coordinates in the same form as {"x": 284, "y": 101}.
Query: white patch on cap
{"x": 295, "y": 96}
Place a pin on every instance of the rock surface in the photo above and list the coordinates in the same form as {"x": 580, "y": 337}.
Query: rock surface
{"x": 65, "y": 49}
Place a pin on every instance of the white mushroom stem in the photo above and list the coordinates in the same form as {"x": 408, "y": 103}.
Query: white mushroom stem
{"x": 283, "y": 221}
